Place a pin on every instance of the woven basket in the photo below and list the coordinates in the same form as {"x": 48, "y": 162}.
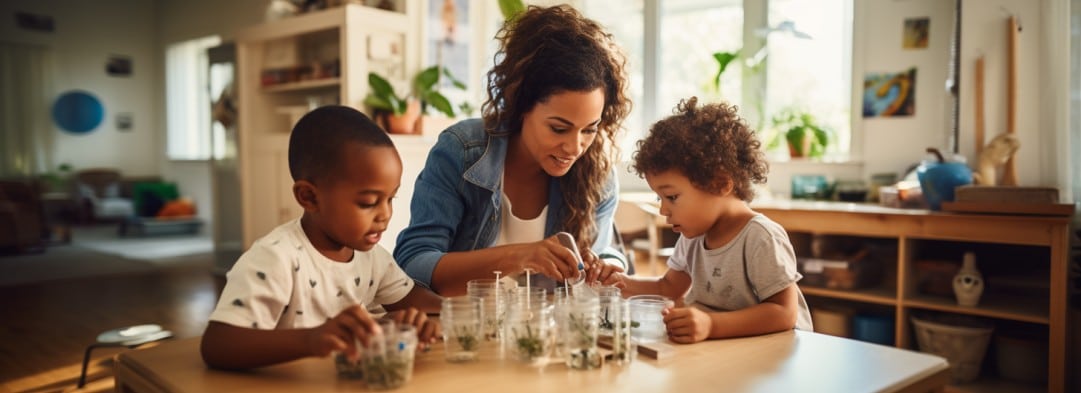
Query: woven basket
{"x": 963, "y": 346}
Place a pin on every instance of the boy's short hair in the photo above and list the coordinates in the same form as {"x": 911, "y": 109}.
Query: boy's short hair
{"x": 315, "y": 146}
{"x": 710, "y": 145}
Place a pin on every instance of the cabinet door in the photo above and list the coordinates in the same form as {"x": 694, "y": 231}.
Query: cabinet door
{"x": 414, "y": 153}
{"x": 270, "y": 197}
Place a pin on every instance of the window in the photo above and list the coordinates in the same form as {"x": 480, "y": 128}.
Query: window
{"x": 670, "y": 53}
{"x": 187, "y": 99}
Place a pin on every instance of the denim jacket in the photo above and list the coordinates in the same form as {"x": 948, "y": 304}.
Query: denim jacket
{"x": 456, "y": 202}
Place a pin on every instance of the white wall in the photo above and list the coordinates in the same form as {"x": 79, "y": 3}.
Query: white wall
{"x": 182, "y": 20}
{"x": 891, "y": 144}
{"x": 86, "y": 34}
{"x": 985, "y": 33}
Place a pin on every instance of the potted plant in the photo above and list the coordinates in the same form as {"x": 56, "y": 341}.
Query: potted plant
{"x": 802, "y": 132}
{"x": 400, "y": 113}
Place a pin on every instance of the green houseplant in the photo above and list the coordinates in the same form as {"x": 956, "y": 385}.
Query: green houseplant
{"x": 401, "y": 112}
{"x": 805, "y": 136}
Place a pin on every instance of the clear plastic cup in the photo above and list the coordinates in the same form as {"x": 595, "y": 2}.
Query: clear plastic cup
{"x": 530, "y": 297}
{"x": 578, "y": 323}
{"x": 529, "y": 334}
{"x": 646, "y": 319}
{"x": 497, "y": 295}
{"x": 354, "y": 369}
{"x": 624, "y": 347}
{"x": 607, "y": 295}
{"x": 388, "y": 359}
{"x": 462, "y": 321}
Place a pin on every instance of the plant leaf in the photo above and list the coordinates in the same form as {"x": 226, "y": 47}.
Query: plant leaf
{"x": 511, "y": 8}
{"x": 426, "y": 79}
{"x": 382, "y": 95}
{"x": 440, "y": 103}
{"x": 380, "y": 86}
{"x": 378, "y": 103}
{"x": 723, "y": 60}
{"x": 454, "y": 81}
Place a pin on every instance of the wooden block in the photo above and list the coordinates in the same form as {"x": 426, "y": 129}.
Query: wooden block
{"x": 654, "y": 350}
{"x": 657, "y": 350}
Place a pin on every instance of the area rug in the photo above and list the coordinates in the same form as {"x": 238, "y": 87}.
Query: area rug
{"x": 154, "y": 249}
{"x": 65, "y": 262}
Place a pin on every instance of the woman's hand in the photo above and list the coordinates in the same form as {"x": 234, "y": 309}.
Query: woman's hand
{"x": 546, "y": 257}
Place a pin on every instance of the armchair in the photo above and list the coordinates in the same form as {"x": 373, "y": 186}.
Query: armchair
{"x": 99, "y": 195}
{"x": 22, "y": 223}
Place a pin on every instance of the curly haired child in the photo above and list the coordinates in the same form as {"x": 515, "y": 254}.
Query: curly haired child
{"x": 736, "y": 267}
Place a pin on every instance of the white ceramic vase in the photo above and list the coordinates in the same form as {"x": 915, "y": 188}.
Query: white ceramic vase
{"x": 968, "y": 283}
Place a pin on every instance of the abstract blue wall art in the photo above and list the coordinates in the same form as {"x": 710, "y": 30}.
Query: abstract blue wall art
{"x": 78, "y": 112}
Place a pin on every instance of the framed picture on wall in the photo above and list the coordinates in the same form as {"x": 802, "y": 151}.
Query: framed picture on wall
{"x": 118, "y": 65}
{"x": 448, "y": 36}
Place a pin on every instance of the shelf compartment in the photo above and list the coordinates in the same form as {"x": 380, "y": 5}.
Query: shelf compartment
{"x": 877, "y": 295}
{"x": 303, "y": 85}
{"x": 989, "y": 384}
{"x": 992, "y": 305}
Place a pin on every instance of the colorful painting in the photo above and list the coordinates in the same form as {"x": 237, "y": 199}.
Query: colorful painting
{"x": 889, "y": 94}
{"x": 916, "y": 33}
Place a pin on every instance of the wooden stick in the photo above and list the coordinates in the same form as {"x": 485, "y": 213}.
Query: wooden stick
{"x": 1009, "y": 172}
{"x": 978, "y": 82}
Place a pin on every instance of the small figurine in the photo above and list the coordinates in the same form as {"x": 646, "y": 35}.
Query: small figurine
{"x": 997, "y": 152}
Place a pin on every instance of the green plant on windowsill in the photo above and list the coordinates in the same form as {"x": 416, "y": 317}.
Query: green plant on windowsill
{"x": 804, "y": 135}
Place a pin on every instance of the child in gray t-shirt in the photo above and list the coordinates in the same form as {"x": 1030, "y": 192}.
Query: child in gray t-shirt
{"x": 735, "y": 266}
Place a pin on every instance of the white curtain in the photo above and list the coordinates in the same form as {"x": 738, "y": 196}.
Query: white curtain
{"x": 1073, "y": 131}
{"x": 26, "y": 134}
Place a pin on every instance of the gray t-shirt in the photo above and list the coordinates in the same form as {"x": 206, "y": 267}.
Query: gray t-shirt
{"x": 756, "y": 264}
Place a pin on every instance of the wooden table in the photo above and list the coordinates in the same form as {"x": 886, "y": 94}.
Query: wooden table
{"x": 781, "y": 362}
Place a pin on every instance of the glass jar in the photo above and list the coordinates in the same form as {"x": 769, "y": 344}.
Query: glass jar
{"x": 578, "y": 325}
{"x": 388, "y": 359}
{"x": 624, "y": 347}
{"x": 528, "y": 333}
{"x": 496, "y": 296}
{"x": 646, "y": 317}
{"x": 461, "y": 320}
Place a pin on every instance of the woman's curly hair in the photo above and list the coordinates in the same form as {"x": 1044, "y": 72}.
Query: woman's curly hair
{"x": 710, "y": 145}
{"x": 546, "y": 51}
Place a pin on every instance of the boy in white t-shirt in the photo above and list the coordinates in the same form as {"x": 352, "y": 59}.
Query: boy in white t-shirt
{"x": 735, "y": 266}
{"x": 305, "y": 288}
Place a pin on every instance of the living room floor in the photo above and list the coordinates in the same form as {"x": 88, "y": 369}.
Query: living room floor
{"x": 66, "y": 295}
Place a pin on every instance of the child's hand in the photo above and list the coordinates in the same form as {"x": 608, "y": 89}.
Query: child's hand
{"x": 339, "y": 333}
{"x": 687, "y": 324}
{"x": 617, "y": 279}
{"x": 427, "y": 330}
{"x": 598, "y": 270}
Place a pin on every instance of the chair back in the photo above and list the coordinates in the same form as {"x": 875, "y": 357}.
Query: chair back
{"x": 99, "y": 180}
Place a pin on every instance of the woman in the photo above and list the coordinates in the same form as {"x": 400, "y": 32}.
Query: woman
{"x": 494, "y": 191}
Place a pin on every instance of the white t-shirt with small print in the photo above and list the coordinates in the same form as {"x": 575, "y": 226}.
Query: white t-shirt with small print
{"x": 283, "y": 282}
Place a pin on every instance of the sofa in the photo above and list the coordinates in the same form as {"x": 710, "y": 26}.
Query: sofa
{"x": 100, "y": 197}
{"x": 22, "y": 220}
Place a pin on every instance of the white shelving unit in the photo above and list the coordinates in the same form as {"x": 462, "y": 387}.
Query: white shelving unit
{"x": 355, "y": 38}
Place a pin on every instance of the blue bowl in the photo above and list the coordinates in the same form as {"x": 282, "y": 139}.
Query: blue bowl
{"x": 938, "y": 181}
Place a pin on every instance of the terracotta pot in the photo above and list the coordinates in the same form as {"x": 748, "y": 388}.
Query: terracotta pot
{"x": 406, "y": 122}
